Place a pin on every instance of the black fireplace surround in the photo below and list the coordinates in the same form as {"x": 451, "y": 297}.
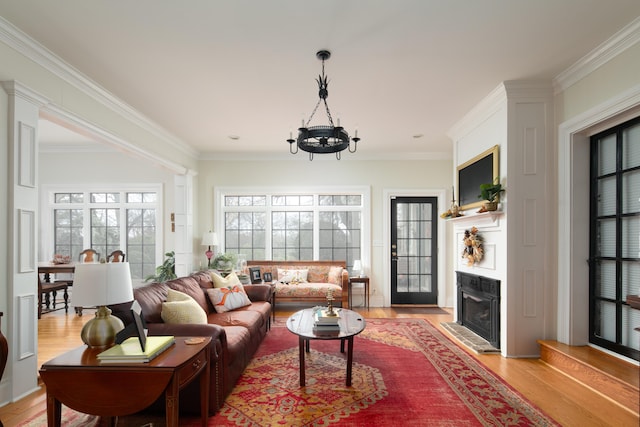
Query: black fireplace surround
{"x": 479, "y": 305}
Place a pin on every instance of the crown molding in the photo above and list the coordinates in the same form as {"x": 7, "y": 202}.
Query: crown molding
{"x": 484, "y": 109}
{"x": 99, "y": 134}
{"x": 17, "y": 89}
{"x": 614, "y": 46}
{"x": 303, "y": 157}
{"x": 30, "y": 48}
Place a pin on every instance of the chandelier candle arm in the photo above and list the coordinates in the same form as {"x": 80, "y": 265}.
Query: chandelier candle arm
{"x": 322, "y": 139}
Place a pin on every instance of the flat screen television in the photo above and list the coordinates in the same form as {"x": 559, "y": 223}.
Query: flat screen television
{"x": 483, "y": 168}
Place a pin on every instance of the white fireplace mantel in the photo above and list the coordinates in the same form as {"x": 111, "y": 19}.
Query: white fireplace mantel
{"x": 485, "y": 219}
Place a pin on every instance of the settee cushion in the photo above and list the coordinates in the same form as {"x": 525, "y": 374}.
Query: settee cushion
{"x": 292, "y": 276}
{"x": 335, "y": 275}
{"x": 180, "y": 308}
{"x": 307, "y": 290}
{"x": 228, "y": 298}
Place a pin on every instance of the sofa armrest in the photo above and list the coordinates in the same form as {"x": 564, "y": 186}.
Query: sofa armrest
{"x": 344, "y": 281}
{"x": 258, "y": 292}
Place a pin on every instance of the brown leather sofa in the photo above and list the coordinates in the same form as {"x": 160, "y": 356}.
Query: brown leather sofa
{"x": 235, "y": 335}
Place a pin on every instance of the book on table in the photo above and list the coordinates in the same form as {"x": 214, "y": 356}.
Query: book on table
{"x": 326, "y": 330}
{"x": 130, "y": 351}
{"x": 323, "y": 317}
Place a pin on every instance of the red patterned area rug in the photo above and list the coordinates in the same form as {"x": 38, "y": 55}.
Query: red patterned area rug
{"x": 405, "y": 372}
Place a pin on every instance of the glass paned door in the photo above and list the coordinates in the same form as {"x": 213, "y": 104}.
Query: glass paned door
{"x": 414, "y": 250}
{"x": 615, "y": 239}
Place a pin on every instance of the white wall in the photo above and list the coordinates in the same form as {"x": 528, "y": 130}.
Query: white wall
{"x": 604, "y": 97}
{"x": 4, "y": 159}
{"x": 109, "y": 167}
{"x": 301, "y": 173}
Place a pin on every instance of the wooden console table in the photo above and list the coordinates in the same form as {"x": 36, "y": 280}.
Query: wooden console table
{"x": 78, "y": 380}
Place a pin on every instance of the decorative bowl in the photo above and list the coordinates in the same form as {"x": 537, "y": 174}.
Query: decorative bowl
{"x": 61, "y": 259}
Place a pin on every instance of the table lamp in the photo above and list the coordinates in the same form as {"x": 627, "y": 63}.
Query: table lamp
{"x": 98, "y": 285}
{"x": 209, "y": 239}
{"x": 357, "y": 267}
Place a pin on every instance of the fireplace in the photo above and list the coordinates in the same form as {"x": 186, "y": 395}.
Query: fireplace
{"x": 479, "y": 305}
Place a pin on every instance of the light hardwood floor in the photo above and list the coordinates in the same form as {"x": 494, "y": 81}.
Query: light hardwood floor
{"x": 567, "y": 401}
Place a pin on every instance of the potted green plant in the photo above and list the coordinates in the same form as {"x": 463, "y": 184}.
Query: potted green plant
{"x": 166, "y": 271}
{"x": 490, "y": 193}
{"x": 225, "y": 263}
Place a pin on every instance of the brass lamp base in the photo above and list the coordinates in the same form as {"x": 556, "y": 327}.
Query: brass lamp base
{"x": 100, "y": 332}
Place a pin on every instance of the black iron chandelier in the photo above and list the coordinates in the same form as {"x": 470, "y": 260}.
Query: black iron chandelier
{"x": 323, "y": 139}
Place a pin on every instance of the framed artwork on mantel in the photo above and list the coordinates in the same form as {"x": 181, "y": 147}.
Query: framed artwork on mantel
{"x": 483, "y": 168}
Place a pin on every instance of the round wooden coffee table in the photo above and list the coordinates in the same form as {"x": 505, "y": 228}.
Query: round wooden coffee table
{"x": 301, "y": 323}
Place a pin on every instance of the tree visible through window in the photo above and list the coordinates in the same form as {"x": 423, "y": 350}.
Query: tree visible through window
{"x": 294, "y": 226}
{"x": 106, "y": 221}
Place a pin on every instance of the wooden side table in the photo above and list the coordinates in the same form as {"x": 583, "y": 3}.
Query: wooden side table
{"x": 78, "y": 380}
{"x": 364, "y": 280}
{"x": 273, "y": 301}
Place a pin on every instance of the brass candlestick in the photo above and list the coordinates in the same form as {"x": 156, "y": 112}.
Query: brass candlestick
{"x": 330, "y": 298}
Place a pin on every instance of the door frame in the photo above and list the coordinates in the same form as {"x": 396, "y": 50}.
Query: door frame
{"x": 387, "y": 196}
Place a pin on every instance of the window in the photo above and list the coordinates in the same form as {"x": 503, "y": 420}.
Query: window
{"x": 300, "y": 226}
{"x": 106, "y": 221}
{"x": 615, "y": 238}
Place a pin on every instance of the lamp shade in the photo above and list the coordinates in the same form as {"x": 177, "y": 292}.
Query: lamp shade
{"x": 209, "y": 239}
{"x": 101, "y": 284}
{"x": 357, "y": 265}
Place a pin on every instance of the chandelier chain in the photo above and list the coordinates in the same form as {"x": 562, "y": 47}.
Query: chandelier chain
{"x": 328, "y": 112}
{"x": 313, "y": 113}
{"x": 324, "y": 98}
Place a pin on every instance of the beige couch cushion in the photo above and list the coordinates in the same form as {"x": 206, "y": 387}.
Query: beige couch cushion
{"x": 181, "y": 308}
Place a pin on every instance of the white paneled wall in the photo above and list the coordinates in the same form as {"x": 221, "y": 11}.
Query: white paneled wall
{"x": 518, "y": 117}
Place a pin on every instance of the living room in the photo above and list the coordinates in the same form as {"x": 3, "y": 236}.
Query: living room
{"x": 585, "y": 97}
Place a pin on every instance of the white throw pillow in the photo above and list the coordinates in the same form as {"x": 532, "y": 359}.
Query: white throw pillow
{"x": 229, "y": 298}
{"x": 181, "y": 308}
{"x": 292, "y": 276}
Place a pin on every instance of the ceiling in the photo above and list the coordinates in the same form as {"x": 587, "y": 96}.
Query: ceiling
{"x": 237, "y": 76}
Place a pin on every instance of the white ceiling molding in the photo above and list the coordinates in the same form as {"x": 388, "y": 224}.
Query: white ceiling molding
{"x": 621, "y": 41}
{"x": 57, "y": 114}
{"x": 33, "y": 50}
{"x": 479, "y": 113}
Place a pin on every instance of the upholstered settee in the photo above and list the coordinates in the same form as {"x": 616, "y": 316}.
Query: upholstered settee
{"x": 235, "y": 334}
{"x": 306, "y": 281}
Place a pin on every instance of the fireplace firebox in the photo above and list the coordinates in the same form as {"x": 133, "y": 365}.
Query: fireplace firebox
{"x": 479, "y": 305}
